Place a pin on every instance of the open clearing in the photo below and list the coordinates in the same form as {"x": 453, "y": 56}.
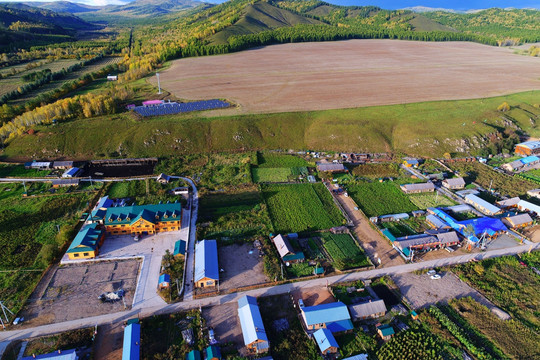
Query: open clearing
{"x": 350, "y": 74}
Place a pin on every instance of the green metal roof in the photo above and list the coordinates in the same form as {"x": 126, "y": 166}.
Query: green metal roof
{"x": 194, "y": 355}
{"x": 386, "y": 330}
{"x": 212, "y": 352}
{"x": 152, "y": 213}
{"x": 86, "y": 240}
{"x": 179, "y": 248}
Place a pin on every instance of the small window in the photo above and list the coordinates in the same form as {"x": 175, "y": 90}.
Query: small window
{"x": 86, "y": 254}
{"x": 76, "y": 255}
{"x": 147, "y": 226}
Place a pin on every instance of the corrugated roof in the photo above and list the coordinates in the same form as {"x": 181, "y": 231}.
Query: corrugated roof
{"x": 325, "y": 339}
{"x": 520, "y": 219}
{"x": 459, "y": 208}
{"x": 71, "y": 172}
{"x": 251, "y": 320}
{"x": 508, "y": 202}
{"x": 484, "y": 225}
{"x": 86, "y": 240}
{"x": 530, "y": 144}
{"x": 529, "y": 159}
{"x": 206, "y": 260}
{"x": 418, "y": 187}
{"x": 283, "y": 245}
{"x": 132, "y": 342}
{"x": 448, "y": 237}
{"x": 367, "y": 309}
{"x": 330, "y": 167}
{"x": 335, "y": 312}
{"x": 65, "y": 182}
{"x": 483, "y": 204}
{"x": 164, "y": 278}
{"x": 64, "y": 355}
{"x": 455, "y": 181}
{"x": 386, "y": 330}
{"x": 388, "y": 235}
{"x": 213, "y": 352}
{"x": 104, "y": 202}
{"x": 62, "y": 163}
{"x": 416, "y": 240}
{"x": 525, "y": 205}
{"x": 436, "y": 221}
{"x": 193, "y": 355}
{"x": 357, "y": 357}
{"x": 129, "y": 214}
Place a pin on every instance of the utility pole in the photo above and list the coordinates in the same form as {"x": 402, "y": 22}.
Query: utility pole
{"x": 4, "y": 309}
{"x": 158, "y": 83}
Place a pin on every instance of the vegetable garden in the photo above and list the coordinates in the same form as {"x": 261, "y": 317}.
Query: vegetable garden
{"x": 376, "y": 170}
{"x": 427, "y": 200}
{"x": 412, "y": 344}
{"x": 344, "y": 251}
{"x": 376, "y": 198}
{"x": 301, "y": 207}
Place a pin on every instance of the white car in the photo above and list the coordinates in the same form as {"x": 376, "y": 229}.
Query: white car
{"x": 431, "y": 272}
{"x": 435, "y": 277}
{"x": 136, "y": 238}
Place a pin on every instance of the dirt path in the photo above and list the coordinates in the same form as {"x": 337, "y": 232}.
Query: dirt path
{"x": 109, "y": 341}
{"x": 375, "y": 245}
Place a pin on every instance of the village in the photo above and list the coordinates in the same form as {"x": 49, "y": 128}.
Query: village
{"x": 137, "y": 247}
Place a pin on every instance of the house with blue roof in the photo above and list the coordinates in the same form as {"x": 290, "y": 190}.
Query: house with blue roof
{"x": 57, "y": 355}
{"x": 164, "y": 281}
{"x": 255, "y": 338}
{"x": 163, "y": 179}
{"x": 132, "y": 342}
{"x": 206, "y": 264}
{"x": 139, "y": 219}
{"x": 325, "y": 341}
{"x": 72, "y": 172}
{"x": 86, "y": 243}
{"x": 333, "y": 316}
{"x": 179, "y": 248}
{"x": 104, "y": 203}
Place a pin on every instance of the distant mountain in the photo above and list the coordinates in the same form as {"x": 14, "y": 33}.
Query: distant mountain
{"x": 28, "y": 18}
{"x": 149, "y": 8}
{"x": 421, "y": 9}
{"x": 64, "y": 6}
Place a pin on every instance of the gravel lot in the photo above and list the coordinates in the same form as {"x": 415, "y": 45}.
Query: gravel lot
{"x": 224, "y": 319}
{"x": 422, "y": 291}
{"x": 241, "y": 267}
{"x": 73, "y": 291}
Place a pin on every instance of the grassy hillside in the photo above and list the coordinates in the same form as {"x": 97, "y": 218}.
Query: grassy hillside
{"x": 429, "y": 129}
{"x": 422, "y": 23}
{"x": 259, "y": 17}
{"x": 64, "y": 6}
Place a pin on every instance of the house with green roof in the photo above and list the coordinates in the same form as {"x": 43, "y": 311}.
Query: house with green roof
{"x": 86, "y": 243}
{"x": 140, "y": 219}
{"x": 179, "y": 248}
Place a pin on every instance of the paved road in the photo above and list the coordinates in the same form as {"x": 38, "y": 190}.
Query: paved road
{"x": 280, "y": 289}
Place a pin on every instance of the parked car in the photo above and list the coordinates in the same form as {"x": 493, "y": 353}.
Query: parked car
{"x": 137, "y": 237}
{"x": 431, "y": 272}
{"x": 435, "y": 277}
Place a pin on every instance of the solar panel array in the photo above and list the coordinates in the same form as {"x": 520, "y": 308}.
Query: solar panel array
{"x": 175, "y": 108}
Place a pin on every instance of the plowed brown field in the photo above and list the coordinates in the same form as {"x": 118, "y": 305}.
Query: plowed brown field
{"x": 353, "y": 73}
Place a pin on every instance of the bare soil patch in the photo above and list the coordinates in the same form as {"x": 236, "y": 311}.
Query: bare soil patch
{"x": 242, "y": 266}
{"x": 350, "y": 74}
{"x": 313, "y": 296}
{"x": 72, "y": 292}
{"x": 225, "y": 322}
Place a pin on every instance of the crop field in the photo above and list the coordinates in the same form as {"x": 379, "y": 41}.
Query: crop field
{"x": 101, "y": 63}
{"x": 238, "y": 215}
{"x": 19, "y": 170}
{"x": 427, "y": 200}
{"x": 376, "y": 198}
{"x": 508, "y": 284}
{"x": 484, "y": 176}
{"x": 13, "y": 82}
{"x": 533, "y": 175}
{"x": 30, "y": 239}
{"x": 137, "y": 191}
{"x": 274, "y": 160}
{"x": 410, "y": 226}
{"x": 301, "y": 207}
{"x": 376, "y": 170}
{"x": 344, "y": 251}
{"x": 284, "y": 174}
{"x": 308, "y": 76}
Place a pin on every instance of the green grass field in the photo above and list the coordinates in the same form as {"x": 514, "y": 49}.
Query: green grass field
{"x": 427, "y": 200}
{"x": 376, "y": 170}
{"x": 301, "y": 207}
{"x": 19, "y": 170}
{"x": 407, "y": 128}
{"x": 261, "y": 175}
{"x": 276, "y": 160}
{"x": 376, "y": 198}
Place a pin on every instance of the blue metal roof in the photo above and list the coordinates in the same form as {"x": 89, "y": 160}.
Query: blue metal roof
{"x": 104, "y": 202}
{"x": 487, "y": 225}
{"x": 529, "y": 159}
{"x": 63, "y": 355}
{"x": 251, "y": 320}
{"x": 193, "y": 355}
{"x": 212, "y": 352}
{"x": 132, "y": 342}
{"x": 164, "y": 278}
{"x": 325, "y": 339}
{"x": 206, "y": 260}
{"x": 71, "y": 172}
{"x": 334, "y": 315}
{"x": 436, "y": 221}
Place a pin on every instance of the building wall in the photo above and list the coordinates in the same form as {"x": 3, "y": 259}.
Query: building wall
{"x": 148, "y": 227}
{"x": 330, "y": 350}
{"x": 205, "y": 283}
{"x": 83, "y": 255}
{"x": 523, "y": 150}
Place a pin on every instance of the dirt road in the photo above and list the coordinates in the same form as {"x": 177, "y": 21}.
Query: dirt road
{"x": 375, "y": 245}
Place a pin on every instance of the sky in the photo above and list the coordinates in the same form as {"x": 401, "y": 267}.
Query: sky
{"x": 461, "y": 5}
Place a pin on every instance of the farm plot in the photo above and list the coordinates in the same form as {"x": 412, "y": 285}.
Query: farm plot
{"x": 275, "y": 160}
{"x": 308, "y": 76}
{"x": 238, "y": 215}
{"x": 301, "y": 207}
{"x": 137, "y": 191}
{"x": 344, "y": 251}
{"x": 101, "y": 63}
{"x": 410, "y": 226}
{"x": 533, "y": 175}
{"x": 261, "y": 175}
{"x": 485, "y": 176}
{"x": 376, "y": 199}
{"x": 376, "y": 170}
{"x": 427, "y": 200}
{"x": 13, "y": 82}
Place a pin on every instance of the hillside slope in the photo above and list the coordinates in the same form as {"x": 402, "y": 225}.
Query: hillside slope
{"x": 64, "y": 6}
{"x": 17, "y": 12}
{"x": 259, "y": 17}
